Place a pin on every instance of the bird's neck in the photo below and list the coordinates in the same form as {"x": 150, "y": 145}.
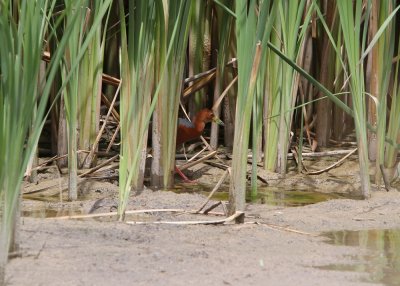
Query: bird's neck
{"x": 199, "y": 124}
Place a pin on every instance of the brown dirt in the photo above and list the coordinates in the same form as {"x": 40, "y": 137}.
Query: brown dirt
{"x": 105, "y": 252}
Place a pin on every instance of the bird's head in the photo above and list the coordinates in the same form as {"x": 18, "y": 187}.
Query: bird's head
{"x": 207, "y": 115}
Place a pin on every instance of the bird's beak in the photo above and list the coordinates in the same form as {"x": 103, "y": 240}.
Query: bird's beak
{"x": 218, "y": 121}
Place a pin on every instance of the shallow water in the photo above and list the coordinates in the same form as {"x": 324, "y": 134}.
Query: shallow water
{"x": 277, "y": 196}
{"x": 46, "y": 207}
{"x": 54, "y": 206}
{"x": 382, "y": 260}
{"x": 290, "y": 197}
{"x": 45, "y": 212}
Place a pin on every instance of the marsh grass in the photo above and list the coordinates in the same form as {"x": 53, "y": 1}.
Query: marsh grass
{"x": 23, "y": 30}
{"x": 163, "y": 25}
{"x": 252, "y": 32}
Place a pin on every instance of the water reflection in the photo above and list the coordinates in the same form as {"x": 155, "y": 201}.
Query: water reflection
{"x": 383, "y": 259}
{"x": 289, "y": 197}
{"x": 277, "y": 196}
{"x": 46, "y": 212}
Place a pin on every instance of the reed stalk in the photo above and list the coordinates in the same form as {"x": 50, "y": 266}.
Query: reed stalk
{"x": 80, "y": 39}
{"x": 272, "y": 100}
{"x": 72, "y": 90}
{"x": 199, "y": 54}
{"x": 137, "y": 70}
{"x": 293, "y": 31}
{"x": 252, "y": 31}
{"x": 90, "y": 84}
{"x": 21, "y": 106}
{"x": 152, "y": 20}
{"x": 380, "y": 59}
{"x": 282, "y": 81}
{"x": 351, "y": 23}
{"x": 223, "y": 25}
{"x": 393, "y": 132}
{"x": 326, "y": 71}
{"x": 20, "y": 55}
{"x": 175, "y": 15}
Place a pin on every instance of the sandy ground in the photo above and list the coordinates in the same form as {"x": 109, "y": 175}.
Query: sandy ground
{"x": 105, "y": 252}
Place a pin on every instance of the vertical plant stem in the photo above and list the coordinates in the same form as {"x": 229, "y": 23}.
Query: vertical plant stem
{"x": 176, "y": 16}
{"x": 252, "y": 33}
{"x": 21, "y": 50}
{"x": 350, "y": 20}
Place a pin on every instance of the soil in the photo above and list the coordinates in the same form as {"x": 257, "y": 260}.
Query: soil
{"x": 277, "y": 244}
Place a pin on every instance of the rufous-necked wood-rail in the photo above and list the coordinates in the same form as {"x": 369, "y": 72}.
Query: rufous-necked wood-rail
{"x": 188, "y": 131}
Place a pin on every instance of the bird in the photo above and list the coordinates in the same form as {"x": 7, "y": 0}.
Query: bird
{"x": 188, "y": 131}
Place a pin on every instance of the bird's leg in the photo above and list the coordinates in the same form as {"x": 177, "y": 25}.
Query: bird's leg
{"x": 185, "y": 179}
{"x": 184, "y": 151}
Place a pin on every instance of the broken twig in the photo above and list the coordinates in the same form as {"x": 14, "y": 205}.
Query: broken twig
{"x": 223, "y": 177}
{"x": 233, "y": 217}
{"x": 194, "y": 163}
{"x": 92, "y": 170}
{"x": 273, "y": 226}
{"x": 333, "y": 165}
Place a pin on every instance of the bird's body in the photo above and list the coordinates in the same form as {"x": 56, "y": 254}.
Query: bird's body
{"x": 188, "y": 131}
{"x": 184, "y": 132}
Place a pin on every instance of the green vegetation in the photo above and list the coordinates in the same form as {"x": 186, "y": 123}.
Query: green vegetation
{"x": 298, "y": 62}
